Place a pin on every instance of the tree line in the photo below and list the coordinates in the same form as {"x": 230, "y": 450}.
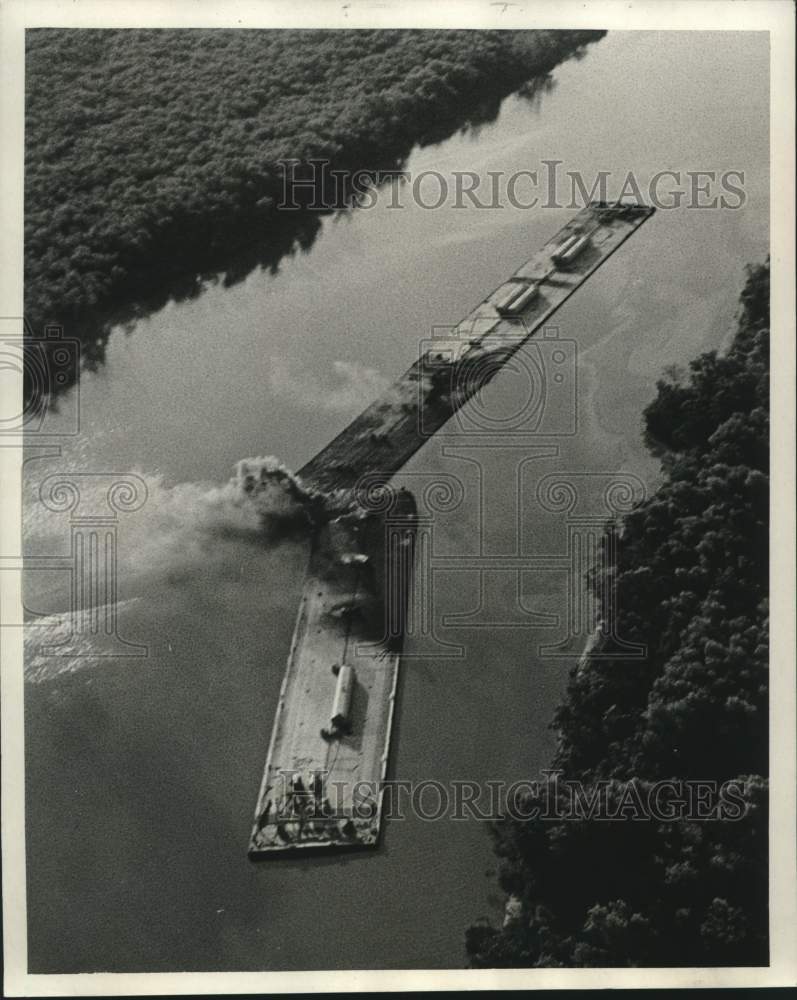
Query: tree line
{"x": 691, "y": 584}
{"x": 152, "y": 157}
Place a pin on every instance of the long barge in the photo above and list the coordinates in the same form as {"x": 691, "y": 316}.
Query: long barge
{"x": 322, "y": 787}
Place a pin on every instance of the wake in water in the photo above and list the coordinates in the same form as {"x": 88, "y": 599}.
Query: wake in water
{"x": 190, "y": 537}
{"x": 50, "y": 647}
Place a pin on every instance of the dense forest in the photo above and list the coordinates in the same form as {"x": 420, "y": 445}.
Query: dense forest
{"x": 153, "y": 156}
{"x": 691, "y": 579}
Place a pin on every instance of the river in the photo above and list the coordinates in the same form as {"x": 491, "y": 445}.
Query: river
{"x": 142, "y": 773}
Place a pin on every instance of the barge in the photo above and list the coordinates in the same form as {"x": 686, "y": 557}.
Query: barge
{"x": 322, "y": 787}
{"x": 456, "y": 366}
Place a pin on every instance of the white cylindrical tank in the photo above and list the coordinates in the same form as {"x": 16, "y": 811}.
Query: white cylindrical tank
{"x": 508, "y": 293}
{"x": 575, "y": 249}
{"x": 342, "y": 700}
{"x": 524, "y": 299}
{"x": 564, "y": 247}
{"x": 570, "y": 249}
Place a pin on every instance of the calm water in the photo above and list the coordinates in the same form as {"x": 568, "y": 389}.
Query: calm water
{"x": 143, "y": 772}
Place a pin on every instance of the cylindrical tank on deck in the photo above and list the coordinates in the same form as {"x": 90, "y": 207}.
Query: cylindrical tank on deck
{"x": 526, "y": 296}
{"x": 507, "y": 295}
{"x": 570, "y": 249}
{"x": 565, "y": 245}
{"x": 342, "y": 700}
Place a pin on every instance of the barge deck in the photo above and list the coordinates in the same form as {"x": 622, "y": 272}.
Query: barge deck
{"x": 321, "y": 786}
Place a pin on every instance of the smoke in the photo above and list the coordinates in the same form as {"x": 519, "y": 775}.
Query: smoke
{"x": 263, "y": 502}
{"x": 196, "y": 544}
{"x": 283, "y": 506}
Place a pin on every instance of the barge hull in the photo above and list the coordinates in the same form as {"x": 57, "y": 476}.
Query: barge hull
{"x": 351, "y": 614}
{"x": 388, "y": 432}
{"x": 322, "y": 786}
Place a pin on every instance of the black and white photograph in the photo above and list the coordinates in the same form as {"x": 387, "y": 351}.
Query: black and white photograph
{"x": 397, "y": 448}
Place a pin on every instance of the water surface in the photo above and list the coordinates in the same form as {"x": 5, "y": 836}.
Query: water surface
{"x": 142, "y": 774}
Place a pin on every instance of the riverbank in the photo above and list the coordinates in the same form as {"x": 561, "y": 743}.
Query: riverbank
{"x": 146, "y": 772}
{"x": 670, "y": 881}
{"x": 154, "y": 158}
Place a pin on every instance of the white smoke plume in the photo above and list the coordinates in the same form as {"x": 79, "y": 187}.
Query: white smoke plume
{"x": 186, "y": 538}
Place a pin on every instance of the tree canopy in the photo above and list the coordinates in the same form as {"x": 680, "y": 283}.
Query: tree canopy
{"x": 153, "y": 156}
{"x": 691, "y": 583}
